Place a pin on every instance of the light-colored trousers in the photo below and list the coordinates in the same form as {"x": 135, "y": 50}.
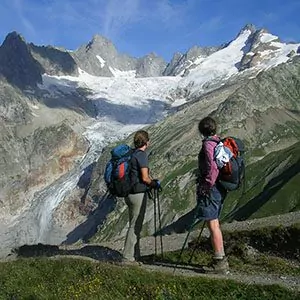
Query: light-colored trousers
{"x": 136, "y": 206}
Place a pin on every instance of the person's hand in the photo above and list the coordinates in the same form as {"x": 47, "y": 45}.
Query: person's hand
{"x": 155, "y": 184}
{"x": 201, "y": 191}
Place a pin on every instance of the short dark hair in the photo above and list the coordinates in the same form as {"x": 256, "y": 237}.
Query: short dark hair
{"x": 207, "y": 126}
{"x": 141, "y": 138}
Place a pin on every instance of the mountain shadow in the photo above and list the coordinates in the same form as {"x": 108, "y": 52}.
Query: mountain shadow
{"x": 84, "y": 181}
{"x": 88, "y": 228}
{"x": 67, "y": 95}
{"x": 127, "y": 114}
{"x": 55, "y": 60}
{"x": 273, "y": 186}
{"x": 181, "y": 225}
{"x": 94, "y": 252}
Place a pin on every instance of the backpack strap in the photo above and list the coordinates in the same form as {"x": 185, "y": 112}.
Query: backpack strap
{"x": 211, "y": 139}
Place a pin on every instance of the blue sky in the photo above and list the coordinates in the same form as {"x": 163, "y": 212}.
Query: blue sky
{"x": 138, "y": 27}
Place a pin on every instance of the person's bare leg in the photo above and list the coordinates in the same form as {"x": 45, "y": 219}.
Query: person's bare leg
{"x": 216, "y": 238}
{"x": 220, "y": 263}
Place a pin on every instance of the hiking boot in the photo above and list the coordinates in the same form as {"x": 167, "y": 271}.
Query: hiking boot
{"x": 133, "y": 263}
{"x": 218, "y": 266}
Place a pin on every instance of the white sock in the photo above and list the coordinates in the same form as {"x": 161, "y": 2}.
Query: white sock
{"x": 219, "y": 255}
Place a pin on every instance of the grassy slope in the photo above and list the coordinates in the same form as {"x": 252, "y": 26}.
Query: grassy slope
{"x": 77, "y": 279}
{"x": 276, "y": 192}
{"x": 65, "y": 278}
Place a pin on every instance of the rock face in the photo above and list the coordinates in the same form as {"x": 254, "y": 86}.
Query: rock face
{"x": 150, "y": 66}
{"x": 14, "y": 109}
{"x": 31, "y": 162}
{"x": 99, "y": 55}
{"x": 100, "y": 58}
{"x": 54, "y": 61}
{"x": 182, "y": 63}
{"x": 17, "y": 65}
{"x": 34, "y": 151}
{"x": 260, "y": 42}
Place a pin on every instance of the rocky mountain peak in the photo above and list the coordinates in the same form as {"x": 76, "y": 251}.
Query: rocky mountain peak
{"x": 150, "y": 65}
{"x": 197, "y": 51}
{"x": 17, "y": 64}
{"x": 97, "y": 56}
{"x": 13, "y": 38}
{"x": 54, "y": 61}
{"x": 182, "y": 63}
{"x": 258, "y": 42}
{"x": 152, "y": 55}
{"x": 248, "y": 27}
{"x": 100, "y": 43}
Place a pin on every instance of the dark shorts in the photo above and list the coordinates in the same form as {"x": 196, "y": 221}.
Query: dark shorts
{"x": 210, "y": 207}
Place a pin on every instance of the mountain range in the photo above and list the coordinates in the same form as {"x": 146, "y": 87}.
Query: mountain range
{"x": 59, "y": 110}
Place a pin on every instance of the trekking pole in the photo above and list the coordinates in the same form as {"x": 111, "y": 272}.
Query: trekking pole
{"x": 159, "y": 222}
{"x": 195, "y": 222}
{"x": 197, "y": 241}
{"x": 180, "y": 254}
{"x": 155, "y": 242}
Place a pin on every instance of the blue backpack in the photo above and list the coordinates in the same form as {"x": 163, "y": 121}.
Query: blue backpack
{"x": 117, "y": 171}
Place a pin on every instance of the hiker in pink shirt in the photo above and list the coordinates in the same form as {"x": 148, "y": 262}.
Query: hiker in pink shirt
{"x": 210, "y": 194}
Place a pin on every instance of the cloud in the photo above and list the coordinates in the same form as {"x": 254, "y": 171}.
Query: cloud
{"x": 41, "y": 20}
{"x": 173, "y": 15}
{"x": 119, "y": 14}
{"x": 107, "y": 17}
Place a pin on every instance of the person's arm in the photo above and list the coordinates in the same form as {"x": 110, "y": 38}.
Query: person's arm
{"x": 145, "y": 172}
{"x": 145, "y": 176}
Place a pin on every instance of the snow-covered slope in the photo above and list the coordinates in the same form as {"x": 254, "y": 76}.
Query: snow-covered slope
{"x": 219, "y": 66}
{"x": 251, "y": 51}
{"x": 123, "y": 90}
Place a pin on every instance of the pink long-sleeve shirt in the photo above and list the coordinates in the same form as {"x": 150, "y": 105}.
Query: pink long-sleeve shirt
{"x": 208, "y": 169}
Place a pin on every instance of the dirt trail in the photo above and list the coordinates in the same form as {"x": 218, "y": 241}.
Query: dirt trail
{"x": 289, "y": 282}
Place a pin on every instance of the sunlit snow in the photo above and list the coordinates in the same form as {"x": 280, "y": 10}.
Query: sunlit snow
{"x": 102, "y": 61}
{"x": 122, "y": 74}
{"x": 121, "y": 90}
{"x": 219, "y": 65}
{"x": 267, "y": 37}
